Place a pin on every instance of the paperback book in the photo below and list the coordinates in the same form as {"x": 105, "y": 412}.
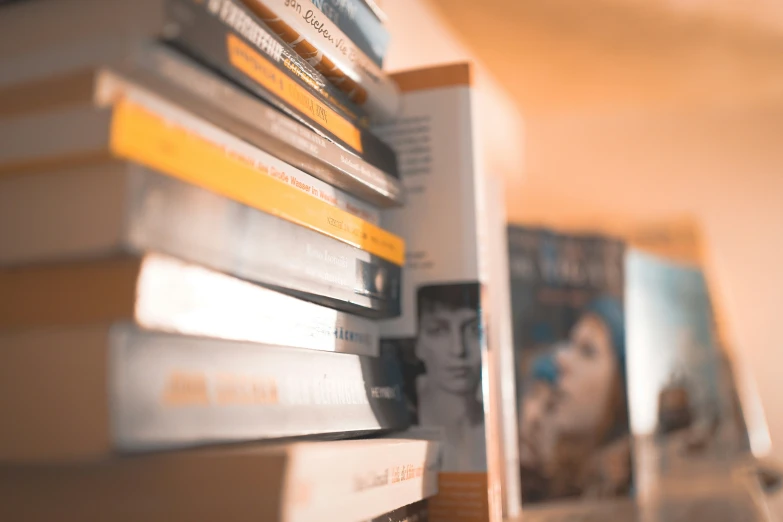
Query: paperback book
{"x": 440, "y": 338}
{"x": 145, "y": 129}
{"x": 693, "y": 446}
{"x": 136, "y": 390}
{"x": 162, "y": 293}
{"x": 173, "y": 76}
{"x": 569, "y": 340}
{"x": 223, "y": 35}
{"x": 686, "y": 404}
{"x": 352, "y": 480}
{"x": 114, "y": 208}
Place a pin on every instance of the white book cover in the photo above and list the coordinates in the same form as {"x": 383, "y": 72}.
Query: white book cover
{"x": 440, "y": 339}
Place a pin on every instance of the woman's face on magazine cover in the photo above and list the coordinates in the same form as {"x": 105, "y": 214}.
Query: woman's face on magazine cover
{"x": 449, "y": 343}
{"x": 587, "y": 370}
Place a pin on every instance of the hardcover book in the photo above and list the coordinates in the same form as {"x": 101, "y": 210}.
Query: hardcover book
{"x": 109, "y": 209}
{"x": 569, "y": 340}
{"x": 135, "y": 390}
{"x": 350, "y": 480}
{"x": 221, "y": 34}
{"x": 440, "y": 338}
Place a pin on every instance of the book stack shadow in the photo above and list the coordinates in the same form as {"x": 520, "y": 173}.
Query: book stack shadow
{"x": 193, "y": 268}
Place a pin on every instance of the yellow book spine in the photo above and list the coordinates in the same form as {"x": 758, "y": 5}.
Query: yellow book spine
{"x": 144, "y": 137}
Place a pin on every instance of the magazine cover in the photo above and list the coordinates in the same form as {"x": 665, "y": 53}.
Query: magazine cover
{"x": 439, "y": 340}
{"x": 569, "y": 342}
{"x": 687, "y": 401}
{"x": 691, "y": 440}
{"x": 679, "y": 243}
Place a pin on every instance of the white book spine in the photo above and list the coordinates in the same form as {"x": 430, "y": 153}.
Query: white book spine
{"x": 172, "y": 391}
{"x": 179, "y": 297}
{"x": 357, "y": 482}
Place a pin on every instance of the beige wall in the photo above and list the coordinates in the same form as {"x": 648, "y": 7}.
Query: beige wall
{"x": 420, "y": 38}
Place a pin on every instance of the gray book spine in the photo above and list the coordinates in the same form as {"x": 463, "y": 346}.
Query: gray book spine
{"x": 115, "y": 207}
{"x": 171, "y": 391}
{"x": 203, "y": 93}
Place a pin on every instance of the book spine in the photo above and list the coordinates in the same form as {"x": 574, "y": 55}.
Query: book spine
{"x": 314, "y": 37}
{"x": 165, "y": 294}
{"x": 216, "y": 305}
{"x": 36, "y": 140}
{"x": 232, "y": 42}
{"x": 261, "y": 160}
{"x": 110, "y": 208}
{"x": 240, "y": 20}
{"x": 251, "y": 119}
{"x": 170, "y": 391}
{"x": 193, "y": 224}
{"x": 359, "y": 23}
{"x": 436, "y": 142}
{"x": 144, "y": 137}
{"x": 359, "y": 482}
{"x": 242, "y": 173}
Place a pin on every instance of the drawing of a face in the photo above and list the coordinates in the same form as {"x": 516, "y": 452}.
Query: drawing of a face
{"x": 450, "y": 346}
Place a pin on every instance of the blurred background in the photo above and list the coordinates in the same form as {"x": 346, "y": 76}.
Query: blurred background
{"x": 623, "y": 116}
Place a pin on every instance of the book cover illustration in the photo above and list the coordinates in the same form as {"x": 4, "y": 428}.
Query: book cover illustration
{"x": 569, "y": 341}
{"x": 687, "y": 401}
{"x": 442, "y": 371}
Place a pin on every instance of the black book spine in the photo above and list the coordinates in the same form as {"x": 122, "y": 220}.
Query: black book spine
{"x": 226, "y": 37}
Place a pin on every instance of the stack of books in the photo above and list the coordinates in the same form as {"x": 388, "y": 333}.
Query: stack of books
{"x": 194, "y": 272}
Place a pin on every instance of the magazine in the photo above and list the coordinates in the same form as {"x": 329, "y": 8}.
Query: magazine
{"x": 569, "y": 341}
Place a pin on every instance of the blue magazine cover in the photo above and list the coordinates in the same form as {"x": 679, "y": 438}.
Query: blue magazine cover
{"x": 684, "y": 395}
{"x": 569, "y": 344}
